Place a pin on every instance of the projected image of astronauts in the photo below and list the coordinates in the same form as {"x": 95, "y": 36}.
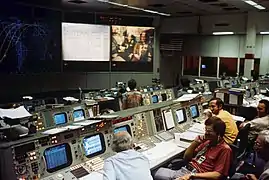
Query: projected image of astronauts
{"x": 132, "y": 44}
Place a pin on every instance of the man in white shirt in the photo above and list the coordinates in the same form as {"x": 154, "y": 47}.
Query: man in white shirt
{"x": 127, "y": 164}
{"x": 261, "y": 122}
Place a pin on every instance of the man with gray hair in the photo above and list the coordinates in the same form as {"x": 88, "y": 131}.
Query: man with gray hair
{"x": 262, "y": 148}
{"x": 127, "y": 164}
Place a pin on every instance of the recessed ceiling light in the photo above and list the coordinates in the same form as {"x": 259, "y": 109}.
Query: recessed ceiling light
{"x": 252, "y": 3}
{"x": 223, "y": 33}
{"x": 133, "y": 7}
{"x": 259, "y": 7}
{"x": 77, "y": 1}
{"x": 265, "y": 32}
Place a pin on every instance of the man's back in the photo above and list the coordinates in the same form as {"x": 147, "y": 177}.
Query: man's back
{"x": 127, "y": 165}
{"x": 231, "y": 127}
{"x": 132, "y": 99}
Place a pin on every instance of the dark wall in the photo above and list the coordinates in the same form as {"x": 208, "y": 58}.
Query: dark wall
{"x": 42, "y": 74}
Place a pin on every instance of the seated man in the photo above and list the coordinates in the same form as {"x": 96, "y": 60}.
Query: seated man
{"x": 133, "y": 98}
{"x": 127, "y": 163}
{"x": 216, "y": 106}
{"x": 261, "y": 122}
{"x": 209, "y": 158}
{"x": 262, "y": 148}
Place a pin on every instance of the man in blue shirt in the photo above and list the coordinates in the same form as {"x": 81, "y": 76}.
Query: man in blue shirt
{"x": 127, "y": 164}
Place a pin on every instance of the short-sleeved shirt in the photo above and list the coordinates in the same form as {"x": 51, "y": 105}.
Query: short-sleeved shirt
{"x": 217, "y": 158}
{"x": 257, "y": 125}
{"x": 132, "y": 99}
{"x": 265, "y": 174}
{"x": 231, "y": 130}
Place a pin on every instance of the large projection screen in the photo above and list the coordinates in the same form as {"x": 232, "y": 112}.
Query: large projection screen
{"x": 85, "y": 42}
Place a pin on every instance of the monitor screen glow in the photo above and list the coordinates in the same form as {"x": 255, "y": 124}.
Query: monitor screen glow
{"x": 78, "y": 115}
{"x": 60, "y": 118}
{"x": 57, "y": 157}
{"x": 194, "y": 111}
{"x": 94, "y": 145}
{"x": 155, "y": 99}
{"x": 123, "y": 128}
{"x": 168, "y": 119}
{"x": 180, "y": 116}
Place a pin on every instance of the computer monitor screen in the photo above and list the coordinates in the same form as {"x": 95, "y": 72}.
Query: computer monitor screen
{"x": 123, "y": 128}
{"x": 181, "y": 116}
{"x": 164, "y": 96}
{"x": 159, "y": 124}
{"x": 151, "y": 89}
{"x": 79, "y": 115}
{"x": 155, "y": 99}
{"x": 194, "y": 111}
{"x": 168, "y": 119}
{"x": 58, "y": 157}
{"x": 60, "y": 118}
{"x": 94, "y": 145}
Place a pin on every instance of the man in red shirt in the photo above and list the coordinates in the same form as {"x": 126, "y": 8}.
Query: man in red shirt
{"x": 209, "y": 157}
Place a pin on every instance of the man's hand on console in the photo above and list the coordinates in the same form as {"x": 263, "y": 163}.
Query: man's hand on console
{"x": 251, "y": 177}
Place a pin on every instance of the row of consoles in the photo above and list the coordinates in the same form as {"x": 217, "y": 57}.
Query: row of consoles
{"x": 61, "y": 115}
{"x": 78, "y": 150}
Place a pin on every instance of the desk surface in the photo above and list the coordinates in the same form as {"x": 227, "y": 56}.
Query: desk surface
{"x": 162, "y": 153}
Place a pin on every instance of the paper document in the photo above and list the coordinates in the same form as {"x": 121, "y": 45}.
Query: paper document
{"x": 107, "y": 116}
{"x": 16, "y": 113}
{"x": 71, "y": 99}
{"x": 87, "y": 122}
{"x": 238, "y": 118}
{"x": 186, "y": 97}
{"x": 54, "y": 131}
{"x": 189, "y": 136}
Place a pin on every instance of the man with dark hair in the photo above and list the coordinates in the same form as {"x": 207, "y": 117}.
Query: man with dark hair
{"x": 216, "y": 106}
{"x": 208, "y": 157}
{"x": 261, "y": 123}
{"x": 133, "y": 98}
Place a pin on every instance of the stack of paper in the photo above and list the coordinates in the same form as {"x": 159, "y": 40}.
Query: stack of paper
{"x": 16, "y": 113}
{"x": 186, "y": 97}
{"x": 188, "y": 136}
{"x": 238, "y": 118}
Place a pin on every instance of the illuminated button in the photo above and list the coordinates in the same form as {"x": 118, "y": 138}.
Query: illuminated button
{"x": 55, "y": 141}
{"x": 34, "y": 157}
{"x": 60, "y": 176}
{"x": 31, "y": 158}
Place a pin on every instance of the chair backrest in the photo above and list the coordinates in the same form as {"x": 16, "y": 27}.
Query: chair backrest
{"x": 243, "y": 137}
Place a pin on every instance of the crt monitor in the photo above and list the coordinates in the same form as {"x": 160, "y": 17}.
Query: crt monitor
{"x": 168, "y": 119}
{"x": 79, "y": 115}
{"x": 164, "y": 97}
{"x": 181, "y": 116}
{"x": 94, "y": 145}
{"x": 123, "y": 128}
{"x": 194, "y": 111}
{"x": 60, "y": 118}
{"x": 159, "y": 124}
{"x": 57, "y": 157}
{"x": 154, "y": 99}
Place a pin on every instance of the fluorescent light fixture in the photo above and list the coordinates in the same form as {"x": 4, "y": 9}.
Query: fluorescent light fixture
{"x": 259, "y": 7}
{"x": 252, "y": 3}
{"x": 265, "y": 32}
{"x": 223, "y": 33}
{"x": 135, "y": 8}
